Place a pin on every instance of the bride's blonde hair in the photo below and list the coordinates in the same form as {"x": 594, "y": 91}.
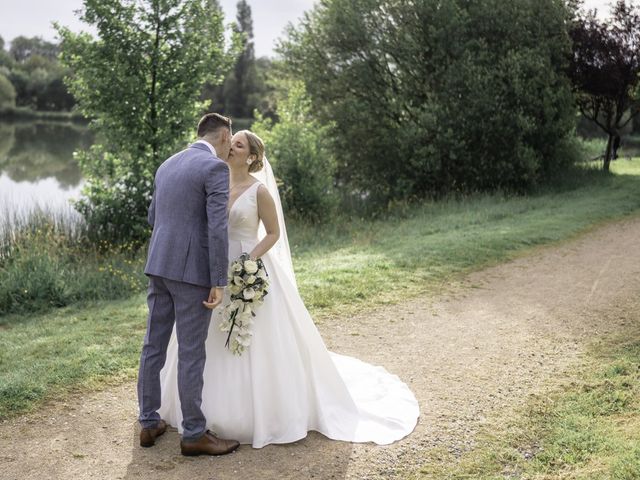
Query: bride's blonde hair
{"x": 256, "y": 147}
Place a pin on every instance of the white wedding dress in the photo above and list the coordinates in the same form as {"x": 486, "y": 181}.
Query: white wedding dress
{"x": 287, "y": 382}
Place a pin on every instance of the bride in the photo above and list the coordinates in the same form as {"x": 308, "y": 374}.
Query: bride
{"x": 287, "y": 382}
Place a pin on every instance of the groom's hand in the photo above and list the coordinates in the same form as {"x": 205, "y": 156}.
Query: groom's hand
{"x": 215, "y": 297}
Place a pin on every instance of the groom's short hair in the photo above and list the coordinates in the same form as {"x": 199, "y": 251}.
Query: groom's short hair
{"x": 211, "y": 123}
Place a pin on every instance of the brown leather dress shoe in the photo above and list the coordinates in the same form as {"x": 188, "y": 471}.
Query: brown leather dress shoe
{"x": 208, "y": 444}
{"x": 148, "y": 435}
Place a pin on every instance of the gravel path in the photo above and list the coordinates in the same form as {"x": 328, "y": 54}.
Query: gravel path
{"x": 470, "y": 356}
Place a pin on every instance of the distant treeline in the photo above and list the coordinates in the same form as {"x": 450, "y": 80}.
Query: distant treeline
{"x": 32, "y": 79}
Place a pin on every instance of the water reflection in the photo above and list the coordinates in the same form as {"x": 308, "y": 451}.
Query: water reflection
{"x": 34, "y": 151}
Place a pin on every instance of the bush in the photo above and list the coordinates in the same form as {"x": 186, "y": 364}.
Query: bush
{"x": 298, "y": 149}
{"x": 46, "y": 262}
{"x": 7, "y": 93}
{"x": 434, "y": 97}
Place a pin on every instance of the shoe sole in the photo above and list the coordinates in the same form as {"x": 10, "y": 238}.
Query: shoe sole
{"x": 197, "y": 454}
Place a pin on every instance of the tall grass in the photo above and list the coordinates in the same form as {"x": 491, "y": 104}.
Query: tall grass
{"x": 46, "y": 263}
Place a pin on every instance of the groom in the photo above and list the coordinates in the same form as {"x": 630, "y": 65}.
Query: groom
{"x": 187, "y": 269}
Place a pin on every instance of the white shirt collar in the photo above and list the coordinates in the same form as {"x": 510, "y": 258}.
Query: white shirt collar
{"x": 209, "y": 146}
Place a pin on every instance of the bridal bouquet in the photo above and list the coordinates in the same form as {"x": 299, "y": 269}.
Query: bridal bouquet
{"x": 248, "y": 285}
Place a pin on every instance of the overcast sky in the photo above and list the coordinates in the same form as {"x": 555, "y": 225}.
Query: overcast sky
{"x": 34, "y": 17}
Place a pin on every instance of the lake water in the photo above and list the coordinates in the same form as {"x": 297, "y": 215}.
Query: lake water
{"x": 37, "y": 167}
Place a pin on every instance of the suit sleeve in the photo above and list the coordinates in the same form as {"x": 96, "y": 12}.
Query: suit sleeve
{"x": 217, "y": 191}
{"x": 151, "y": 216}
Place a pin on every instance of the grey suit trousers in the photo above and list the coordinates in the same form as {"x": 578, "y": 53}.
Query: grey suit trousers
{"x": 176, "y": 302}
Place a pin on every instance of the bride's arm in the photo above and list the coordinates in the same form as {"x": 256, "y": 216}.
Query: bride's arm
{"x": 269, "y": 217}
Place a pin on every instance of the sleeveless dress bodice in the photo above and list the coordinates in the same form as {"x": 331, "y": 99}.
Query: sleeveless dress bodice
{"x": 243, "y": 216}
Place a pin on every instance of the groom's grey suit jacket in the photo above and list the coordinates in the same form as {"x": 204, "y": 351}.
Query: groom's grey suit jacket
{"x": 188, "y": 214}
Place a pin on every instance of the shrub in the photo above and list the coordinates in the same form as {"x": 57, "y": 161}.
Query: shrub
{"x": 7, "y": 93}
{"x": 433, "y": 97}
{"x": 297, "y": 147}
{"x": 46, "y": 262}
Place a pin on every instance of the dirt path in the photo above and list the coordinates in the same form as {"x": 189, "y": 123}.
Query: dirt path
{"x": 470, "y": 357}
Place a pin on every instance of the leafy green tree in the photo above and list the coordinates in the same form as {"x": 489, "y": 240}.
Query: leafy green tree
{"x": 239, "y": 94}
{"x": 240, "y": 86}
{"x": 430, "y": 97}
{"x": 263, "y": 97}
{"x": 22, "y": 48}
{"x": 7, "y": 93}
{"x": 34, "y": 70}
{"x": 297, "y": 147}
{"x": 6, "y": 61}
{"x": 605, "y": 70}
{"x": 20, "y": 81}
{"x": 140, "y": 81}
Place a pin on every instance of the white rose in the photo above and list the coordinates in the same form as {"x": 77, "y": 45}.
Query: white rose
{"x": 238, "y": 280}
{"x": 235, "y": 289}
{"x": 245, "y": 332}
{"x": 248, "y": 293}
{"x": 236, "y": 348}
{"x": 262, "y": 274}
{"x": 237, "y": 304}
{"x": 251, "y": 279}
{"x": 250, "y": 266}
{"x": 236, "y": 267}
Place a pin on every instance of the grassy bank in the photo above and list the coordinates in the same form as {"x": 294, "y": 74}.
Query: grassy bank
{"x": 587, "y": 430}
{"x": 342, "y": 268}
{"x": 46, "y": 264}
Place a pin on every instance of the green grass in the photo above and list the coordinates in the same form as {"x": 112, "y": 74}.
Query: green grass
{"x": 46, "y": 263}
{"x": 342, "y": 268}
{"x": 586, "y": 430}
{"x": 80, "y": 347}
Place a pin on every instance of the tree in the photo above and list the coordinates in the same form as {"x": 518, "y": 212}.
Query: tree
{"x": 240, "y": 87}
{"x": 140, "y": 81}
{"x": 235, "y": 96}
{"x": 605, "y": 69}
{"x": 23, "y": 47}
{"x": 431, "y": 97}
{"x": 298, "y": 149}
{"x": 7, "y": 93}
{"x": 34, "y": 70}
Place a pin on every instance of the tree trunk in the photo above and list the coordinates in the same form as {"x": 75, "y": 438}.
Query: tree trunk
{"x": 635, "y": 128}
{"x": 607, "y": 153}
